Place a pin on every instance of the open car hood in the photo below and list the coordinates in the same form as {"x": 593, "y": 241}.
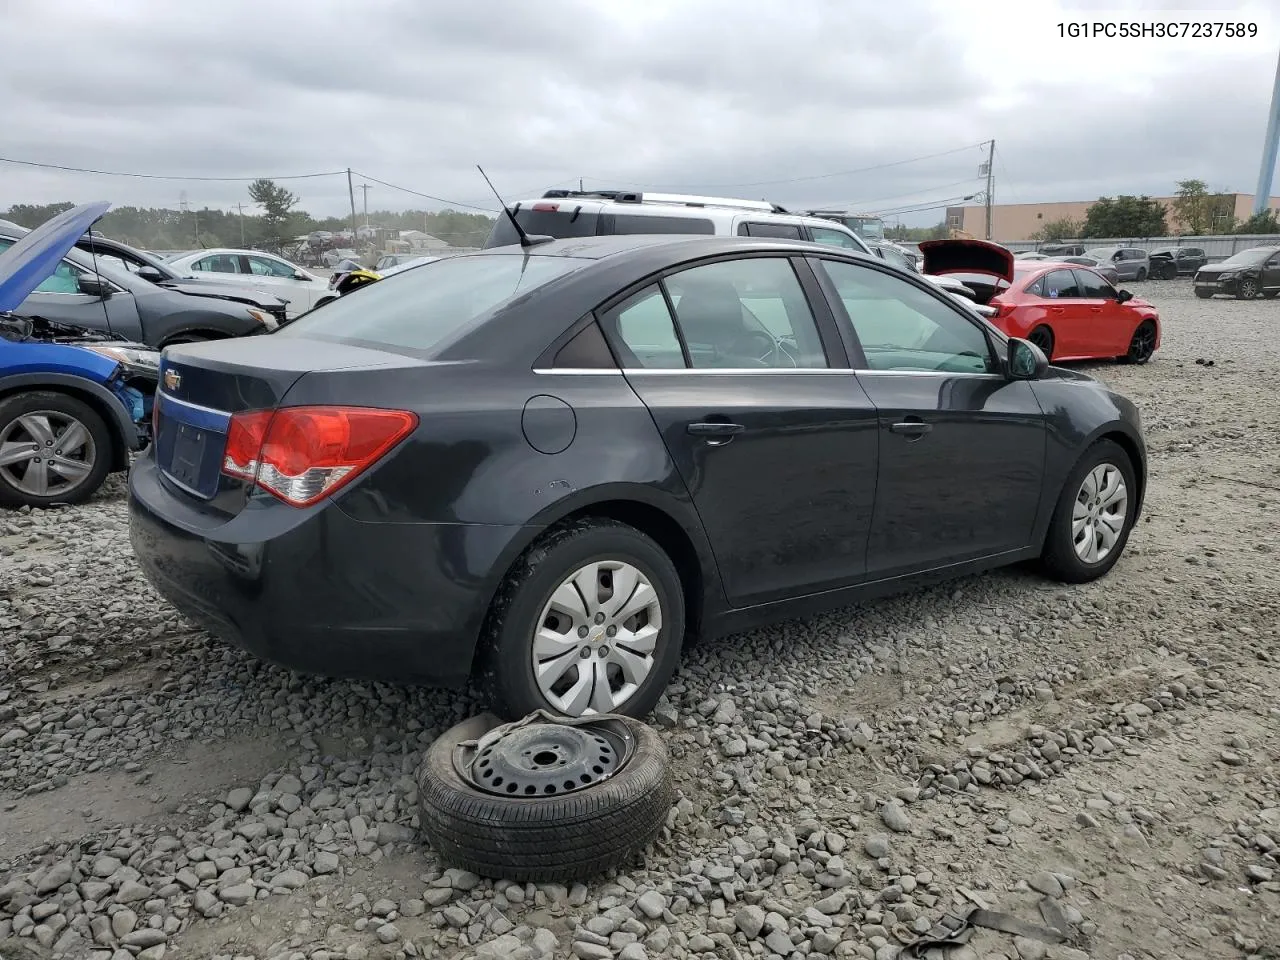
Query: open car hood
{"x": 32, "y": 260}
{"x": 967, "y": 256}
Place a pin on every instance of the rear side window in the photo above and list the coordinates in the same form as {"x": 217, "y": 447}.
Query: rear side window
{"x": 565, "y": 221}
{"x": 628, "y": 223}
{"x": 834, "y": 238}
{"x": 417, "y": 309}
{"x": 221, "y": 263}
{"x": 643, "y": 326}
{"x": 784, "y": 231}
{"x": 1061, "y": 284}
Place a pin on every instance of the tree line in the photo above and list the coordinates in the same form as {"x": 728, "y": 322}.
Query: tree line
{"x": 276, "y": 221}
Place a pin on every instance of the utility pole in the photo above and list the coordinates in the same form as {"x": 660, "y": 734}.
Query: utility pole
{"x": 991, "y": 175}
{"x": 1262, "y": 195}
{"x": 240, "y": 208}
{"x": 365, "y": 188}
{"x": 351, "y": 195}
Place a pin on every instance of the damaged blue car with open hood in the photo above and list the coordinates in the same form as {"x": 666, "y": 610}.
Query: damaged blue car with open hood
{"x": 74, "y": 403}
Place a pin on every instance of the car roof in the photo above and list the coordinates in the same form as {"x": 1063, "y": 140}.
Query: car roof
{"x": 692, "y": 245}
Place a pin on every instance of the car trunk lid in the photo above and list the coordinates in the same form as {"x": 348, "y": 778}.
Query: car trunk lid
{"x": 203, "y": 386}
{"x": 942, "y": 257}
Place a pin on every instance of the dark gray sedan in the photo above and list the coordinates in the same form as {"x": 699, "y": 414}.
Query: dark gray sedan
{"x": 551, "y": 466}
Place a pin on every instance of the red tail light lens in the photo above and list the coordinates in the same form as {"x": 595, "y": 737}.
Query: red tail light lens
{"x": 303, "y": 454}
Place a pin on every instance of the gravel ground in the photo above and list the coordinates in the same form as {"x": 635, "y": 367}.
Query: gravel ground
{"x": 1101, "y": 757}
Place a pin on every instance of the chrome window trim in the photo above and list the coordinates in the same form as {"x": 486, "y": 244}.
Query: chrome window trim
{"x": 753, "y": 371}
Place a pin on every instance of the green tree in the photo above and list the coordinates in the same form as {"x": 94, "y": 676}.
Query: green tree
{"x": 1266, "y": 222}
{"x": 276, "y": 202}
{"x": 1125, "y": 216}
{"x": 1199, "y": 212}
{"x": 1063, "y": 228}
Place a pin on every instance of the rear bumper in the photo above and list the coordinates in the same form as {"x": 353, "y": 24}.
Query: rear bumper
{"x": 319, "y": 592}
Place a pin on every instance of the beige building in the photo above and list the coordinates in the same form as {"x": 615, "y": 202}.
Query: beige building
{"x": 1021, "y": 221}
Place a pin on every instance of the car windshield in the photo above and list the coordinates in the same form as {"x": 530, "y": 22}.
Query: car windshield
{"x": 1099, "y": 253}
{"x": 417, "y": 309}
{"x": 1249, "y": 257}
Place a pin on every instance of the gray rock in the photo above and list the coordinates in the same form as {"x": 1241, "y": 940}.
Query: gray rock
{"x": 238, "y": 799}
{"x": 876, "y": 846}
{"x": 387, "y": 933}
{"x": 238, "y": 894}
{"x": 750, "y": 920}
{"x": 123, "y": 922}
{"x": 590, "y": 951}
{"x": 291, "y": 879}
{"x": 503, "y": 948}
{"x": 1046, "y": 883}
{"x": 55, "y": 877}
{"x": 105, "y": 867}
{"x": 146, "y": 937}
{"x": 132, "y": 892}
{"x": 895, "y": 818}
{"x": 633, "y": 951}
{"x": 652, "y": 904}
{"x": 326, "y": 862}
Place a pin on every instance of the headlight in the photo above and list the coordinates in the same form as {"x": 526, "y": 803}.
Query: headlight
{"x": 1226, "y": 276}
{"x": 131, "y": 358}
{"x": 265, "y": 319}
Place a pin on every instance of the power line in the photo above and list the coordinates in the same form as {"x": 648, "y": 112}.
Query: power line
{"x": 1004, "y": 172}
{"x": 427, "y": 196}
{"x": 818, "y": 176}
{"x": 862, "y": 203}
{"x": 932, "y": 205}
{"x": 157, "y": 176}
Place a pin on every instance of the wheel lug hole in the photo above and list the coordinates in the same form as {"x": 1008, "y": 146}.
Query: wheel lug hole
{"x": 599, "y": 618}
{"x": 604, "y": 650}
{"x": 584, "y": 652}
{"x": 583, "y": 631}
{"x": 612, "y": 631}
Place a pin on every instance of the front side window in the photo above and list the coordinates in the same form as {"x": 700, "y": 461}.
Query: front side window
{"x": 267, "y": 267}
{"x": 1061, "y": 285}
{"x": 218, "y": 263}
{"x": 745, "y": 314}
{"x": 901, "y": 327}
{"x": 1093, "y": 287}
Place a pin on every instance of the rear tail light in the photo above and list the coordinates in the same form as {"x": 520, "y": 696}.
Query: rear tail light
{"x": 1001, "y": 309}
{"x": 303, "y": 454}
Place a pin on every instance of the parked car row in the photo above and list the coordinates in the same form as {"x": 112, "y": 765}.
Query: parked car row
{"x": 1130, "y": 263}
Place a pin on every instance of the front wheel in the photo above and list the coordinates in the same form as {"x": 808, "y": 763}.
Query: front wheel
{"x": 54, "y": 448}
{"x": 589, "y": 621}
{"x": 1247, "y": 289}
{"x": 1093, "y": 517}
{"x": 1143, "y": 344}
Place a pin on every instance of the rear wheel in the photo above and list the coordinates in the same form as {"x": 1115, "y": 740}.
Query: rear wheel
{"x": 1247, "y": 289}
{"x": 589, "y": 621}
{"x": 1142, "y": 274}
{"x": 1143, "y": 344}
{"x": 54, "y": 448}
{"x": 1094, "y": 515}
{"x": 1042, "y": 337}
{"x": 1170, "y": 271}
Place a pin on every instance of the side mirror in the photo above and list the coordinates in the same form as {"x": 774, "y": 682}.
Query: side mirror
{"x": 1117, "y": 255}
{"x": 1025, "y": 361}
{"x": 1123, "y": 296}
{"x": 150, "y": 273}
{"x": 299, "y": 275}
{"x": 93, "y": 286}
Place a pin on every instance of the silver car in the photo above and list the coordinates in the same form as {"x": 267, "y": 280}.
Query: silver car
{"x": 1131, "y": 263}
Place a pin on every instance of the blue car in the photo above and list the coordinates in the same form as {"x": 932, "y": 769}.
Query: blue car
{"x": 73, "y": 402}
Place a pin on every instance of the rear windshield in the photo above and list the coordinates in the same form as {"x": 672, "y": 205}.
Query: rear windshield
{"x": 419, "y": 308}
{"x": 1250, "y": 256}
{"x": 565, "y": 223}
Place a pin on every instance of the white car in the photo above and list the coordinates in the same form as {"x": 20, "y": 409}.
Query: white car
{"x": 271, "y": 274}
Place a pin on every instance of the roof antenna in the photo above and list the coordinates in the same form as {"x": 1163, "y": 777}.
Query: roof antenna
{"x": 526, "y": 241}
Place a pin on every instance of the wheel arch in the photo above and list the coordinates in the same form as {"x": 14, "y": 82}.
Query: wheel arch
{"x": 656, "y": 515}
{"x": 124, "y": 433}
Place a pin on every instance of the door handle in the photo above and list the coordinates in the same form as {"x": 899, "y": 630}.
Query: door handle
{"x": 911, "y": 428}
{"x": 1055, "y": 309}
{"x": 1095, "y": 309}
{"x": 714, "y": 428}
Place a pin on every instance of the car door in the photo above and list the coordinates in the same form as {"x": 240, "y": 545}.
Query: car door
{"x": 281, "y": 278}
{"x": 1270, "y": 274}
{"x": 1105, "y": 330}
{"x": 740, "y": 364}
{"x": 962, "y": 447}
{"x": 1067, "y": 314}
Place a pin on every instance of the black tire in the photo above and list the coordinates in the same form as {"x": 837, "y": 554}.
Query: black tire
{"x": 544, "y": 839}
{"x": 1247, "y": 289}
{"x": 104, "y": 446}
{"x": 185, "y": 338}
{"x": 1204, "y": 294}
{"x": 1171, "y": 271}
{"x": 1043, "y": 338}
{"x": 1059, "y": 559}
{"x": 1142, "y": 274}
{"x": 1142, "y": 345}
{"x": 506, "y": 669}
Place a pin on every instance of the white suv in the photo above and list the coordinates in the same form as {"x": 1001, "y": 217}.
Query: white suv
{"x": 593, "y": 213}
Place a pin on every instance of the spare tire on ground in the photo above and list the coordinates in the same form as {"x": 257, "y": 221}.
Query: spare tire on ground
{"x": 544, "y": 799}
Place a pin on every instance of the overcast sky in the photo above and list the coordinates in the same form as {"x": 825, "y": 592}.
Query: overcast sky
{"x": 792, "y": 100}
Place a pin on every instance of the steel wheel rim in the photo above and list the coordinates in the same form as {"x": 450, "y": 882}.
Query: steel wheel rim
{"x": 1248, "y": 289}
{"x": 1144, "y": 341}
{"x": 594, "y": 644}
{"x": 1099, "y": 513}
{"x": 46, "y": 453}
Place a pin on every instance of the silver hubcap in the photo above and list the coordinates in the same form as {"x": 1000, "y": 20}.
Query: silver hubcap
{"x": 595, "y": 641}
{"x": 1098, "y": 518}
{"x": 46, "y": 453}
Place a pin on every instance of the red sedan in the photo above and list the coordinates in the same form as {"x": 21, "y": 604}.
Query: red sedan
{"x": 1069, "y": 311}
